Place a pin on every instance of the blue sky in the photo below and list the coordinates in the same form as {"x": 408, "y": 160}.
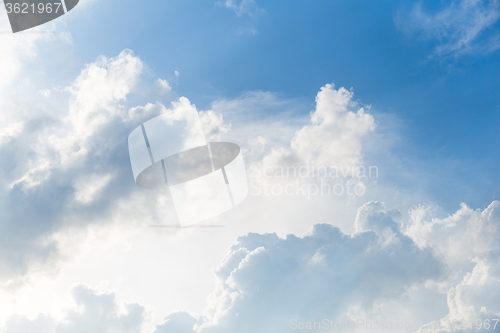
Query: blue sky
{"x": 448, "y": 105}
{"x": 77, "y": 250}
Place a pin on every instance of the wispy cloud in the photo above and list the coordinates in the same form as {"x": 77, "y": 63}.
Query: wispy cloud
{"x": 242, "y": 7}
{"x": 463, "y": 27}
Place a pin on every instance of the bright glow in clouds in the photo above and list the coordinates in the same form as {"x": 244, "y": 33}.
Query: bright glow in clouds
{"x": 265, "y": 281}
{"x": 73, "y": 221}
{"x": 204, "y": 178}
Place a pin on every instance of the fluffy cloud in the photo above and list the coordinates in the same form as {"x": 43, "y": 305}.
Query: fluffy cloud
{"x": 335, "y": 134}
{"x": 332, "y": 135}
{"x": 213, "y": 125}
{"x": 266, "y": 281}
{"x": 69, "y": 168}
{"x": 463, "y": 237}
{"x": 467, "y": 241}
{"x": 324, "y": 157}
{"x": 179, "y": 322}
{"x": 473, "y": 303}
{"x": 93, "y": 312}
{"x": 45, "y": 155}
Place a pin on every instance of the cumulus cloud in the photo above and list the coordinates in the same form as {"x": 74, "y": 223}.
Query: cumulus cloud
{"x": 92, "y": 312}
{"x": 179, "y": 322}
{"x": 337, "y": 129}
{"x": 467, "y": 241}
{"x": 280, "y": 141}
{"x": 213, "y": 125}
{"x": 473, "y": 303}
{"x": 325, "y": 154}
{"x": 70, "y": 168}
{"x": 43, "y": 156}
{"x": 462, "y": 237}
{"x": 266, "y": 281}
{"x": 335, "y": 134}
{"x": 464, "y": 27}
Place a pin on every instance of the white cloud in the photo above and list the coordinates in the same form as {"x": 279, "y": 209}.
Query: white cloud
{"x": 213, "y": 125}
{"x": 45, "y": 93}
{"x": 266, "y": 281}
{"x": 464, "y": 27}
{"x": 179, "y": 322}
{"x": 93, "y": 312}
{"x": 164, "y": 85}
{"x": 95, "y": 105}
{"x": 463, "y": 237}
{"x": 377, "y": 273}
{"x": 323, "y": 156}
{"x": 14, "y": 48}
{"x": 68, "y": 168}
{"x": 17, "y": 52}
{"x": 276, "y": 133}
{"x": 474, "y": 301}
{"x": 89, "y": 187}
{"x": 467, "y": 241}
{"x": 50, "y": 159}
{"x": 139, "y": 112}
{"x": 242, "y": 6}
{"x": 335, "y": 135}
{"x": 69, "y": 172}
{"x": 10, "y": 132}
